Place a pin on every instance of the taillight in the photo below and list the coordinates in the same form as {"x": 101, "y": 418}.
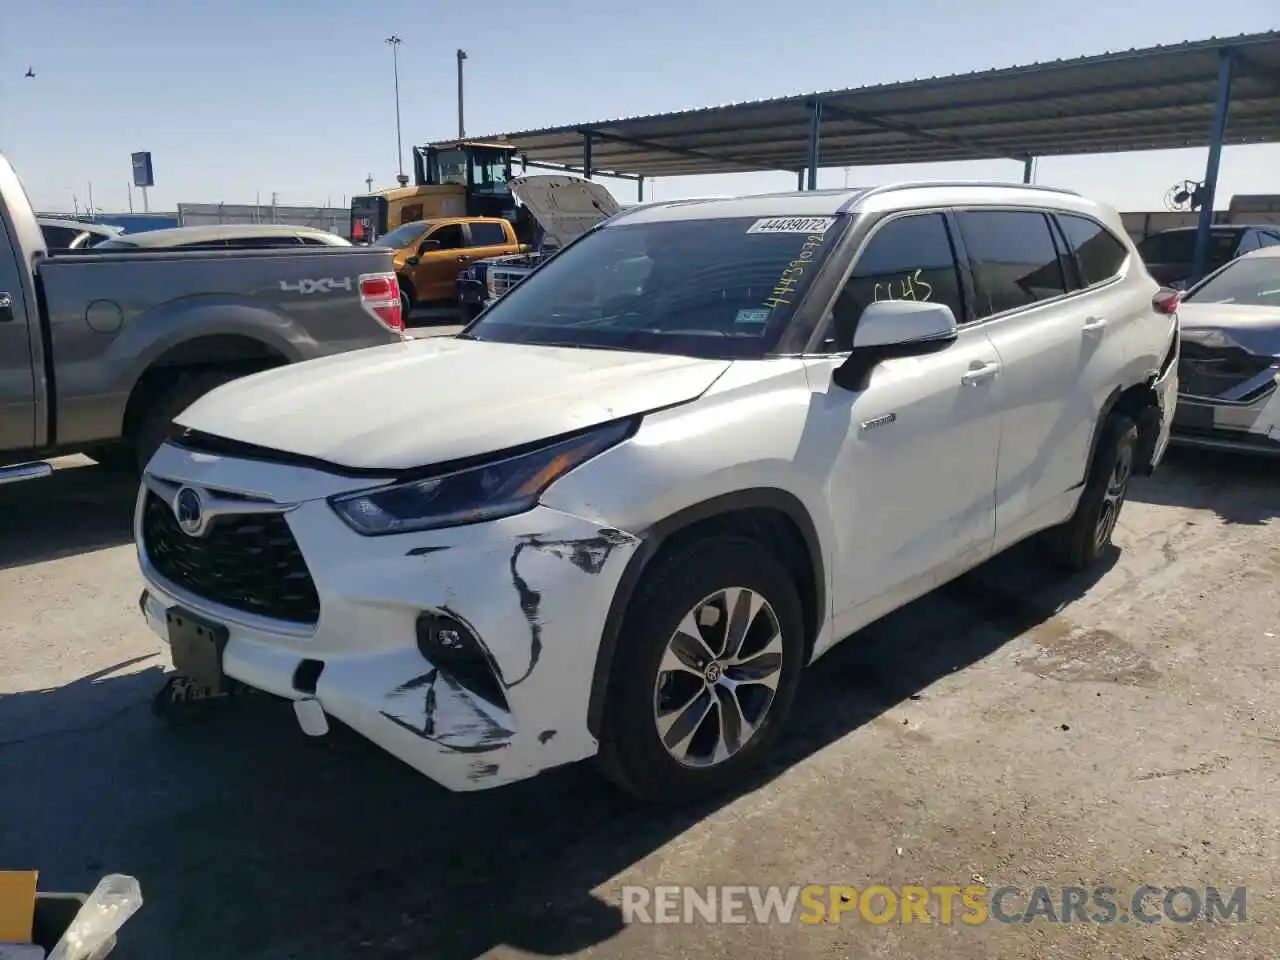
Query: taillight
{"x": 1166, "y": 301}
{"x": 380, "y": 298}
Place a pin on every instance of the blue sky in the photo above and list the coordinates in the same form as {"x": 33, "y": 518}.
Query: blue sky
{"x": 237, "y": 99}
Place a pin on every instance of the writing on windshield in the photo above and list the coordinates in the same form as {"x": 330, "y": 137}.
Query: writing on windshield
{"x": 792, "y": 273}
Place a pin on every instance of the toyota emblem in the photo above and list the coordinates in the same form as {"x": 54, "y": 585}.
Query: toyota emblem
{"x": 188, "y": 509}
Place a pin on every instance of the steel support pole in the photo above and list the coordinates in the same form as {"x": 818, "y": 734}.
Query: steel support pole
{"x": 640, "y": 189}
{"x": 462, "y": 126}
{"x": 799, "y": 179}
{"x": 586, "y": 153}
{"x": 815, "y": 141}
{"x": 1027, "y": 166}
{"x": 1217, "y": 133}
{"x": 394, "y": 42}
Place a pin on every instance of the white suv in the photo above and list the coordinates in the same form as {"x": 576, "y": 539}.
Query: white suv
{"x": 620, "y": 513}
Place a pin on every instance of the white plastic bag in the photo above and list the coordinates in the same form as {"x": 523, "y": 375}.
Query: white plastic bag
{"x": 92, "y": 933}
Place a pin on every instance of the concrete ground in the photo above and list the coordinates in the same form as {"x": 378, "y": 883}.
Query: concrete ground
{"x": 1013, "y": 728}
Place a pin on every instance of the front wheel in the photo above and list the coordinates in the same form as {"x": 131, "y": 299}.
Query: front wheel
{"x": 706, "y": 672}
{"x": 1083, "y": 539}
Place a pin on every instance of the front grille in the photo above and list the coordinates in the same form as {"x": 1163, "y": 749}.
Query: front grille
{"x": 1211, "y": 371}
{"x": 503, "y": 281}
{"x": 249, "y": 562}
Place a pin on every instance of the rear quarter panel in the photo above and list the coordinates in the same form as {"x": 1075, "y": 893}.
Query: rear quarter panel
{"x": 112, "y": 316}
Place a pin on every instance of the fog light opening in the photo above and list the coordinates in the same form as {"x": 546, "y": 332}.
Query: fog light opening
{"x": 451, "y": 646}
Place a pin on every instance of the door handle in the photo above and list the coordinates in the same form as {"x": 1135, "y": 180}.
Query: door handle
{"x": 980, "y": 373}
{"x": 1095, "y": 325}
{"x": 6, "y": 308}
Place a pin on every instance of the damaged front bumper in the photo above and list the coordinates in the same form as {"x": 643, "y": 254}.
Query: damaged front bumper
{"x": 532, "y": 592}
{"x": 1231, "y": 401}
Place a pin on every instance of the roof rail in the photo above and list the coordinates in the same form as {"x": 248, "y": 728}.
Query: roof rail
{"x": 1005, "y": 184}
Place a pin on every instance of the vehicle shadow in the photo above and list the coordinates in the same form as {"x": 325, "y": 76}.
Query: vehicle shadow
{"x": 78, "y": 509}
{"x": 1239, "y": 488}
{"x": 249, "y": 840}
{"x": 432, "y": 315}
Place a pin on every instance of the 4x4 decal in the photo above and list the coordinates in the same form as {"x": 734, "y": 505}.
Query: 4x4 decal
{"x": 323, "y": 285}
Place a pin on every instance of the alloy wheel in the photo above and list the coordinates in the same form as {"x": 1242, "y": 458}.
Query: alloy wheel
{"x": 718, "y": 677}
{"x": 1114, "y": 494}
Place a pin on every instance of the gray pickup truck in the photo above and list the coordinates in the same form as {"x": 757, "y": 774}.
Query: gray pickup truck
{"x": 98, "y": 352}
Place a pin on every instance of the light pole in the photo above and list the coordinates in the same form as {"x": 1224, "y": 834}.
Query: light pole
{"x": 394, "y": 42}
{"x": 462, "y": 130}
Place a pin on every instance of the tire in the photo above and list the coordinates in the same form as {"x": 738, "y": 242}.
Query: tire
{"x": 632, "y": 752}
{"x": 114, "y": 458}
{"x": 406, "y": 302}
{"x": 1086, "y": 537}
{"x": 153, "y": 427}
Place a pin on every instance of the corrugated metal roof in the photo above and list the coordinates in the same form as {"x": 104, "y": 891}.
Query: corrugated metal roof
{"x": 1157, "y": 98}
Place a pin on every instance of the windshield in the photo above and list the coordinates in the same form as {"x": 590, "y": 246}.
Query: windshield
{"x": 1179, "y": 246}
{"x": 708, "y": 288}
{"x": 402, "y": 235}
{"x": 1253, "y": 281}
{"x": 451, "y": 167}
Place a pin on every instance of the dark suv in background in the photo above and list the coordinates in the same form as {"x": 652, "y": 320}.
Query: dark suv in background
{"x": 1169, "y": 253}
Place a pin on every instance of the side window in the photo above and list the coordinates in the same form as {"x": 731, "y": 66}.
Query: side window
{"x": 1013, "y": 259}
{"x": 449, "y": 236}
{"x": 263, "y": 243}
{"x": 1098, "y": 253}
{"x": 910, "y": 258}
{"x": 1249, "y": 242}
{"x": 203, "y": 245}
{"x": 487, "y": 234}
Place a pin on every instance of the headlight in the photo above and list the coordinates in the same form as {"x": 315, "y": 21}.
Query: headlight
{"x": 499, "y": 488}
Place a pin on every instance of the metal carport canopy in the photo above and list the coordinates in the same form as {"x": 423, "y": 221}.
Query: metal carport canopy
{"x": 1158, "y": 98}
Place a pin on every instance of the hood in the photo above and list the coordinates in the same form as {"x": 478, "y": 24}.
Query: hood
{"x": 434, "y": 400}
{"x": 566, "y": 207}
{"x": 1255, "y": 329}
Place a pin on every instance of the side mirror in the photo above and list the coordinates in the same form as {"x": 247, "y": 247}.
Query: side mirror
{"x": 412, "y": 261}
{"x": 894, "y": 328}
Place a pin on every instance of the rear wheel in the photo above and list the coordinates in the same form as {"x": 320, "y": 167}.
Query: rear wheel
{"x": 153, "y": 426}
{"x": 1083, "y": 539}
{"x": 708, "y": 663}
{"x": 114, "y": 457}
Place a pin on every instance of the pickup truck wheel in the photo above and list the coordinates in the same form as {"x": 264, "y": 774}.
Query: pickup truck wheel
{"x": 114, "y": 457}
{"x": 1082, "y": 540}
{"x": 406, "y": 303}
{"x": 708, "y": 663}
{"x": 154, "y": 425}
